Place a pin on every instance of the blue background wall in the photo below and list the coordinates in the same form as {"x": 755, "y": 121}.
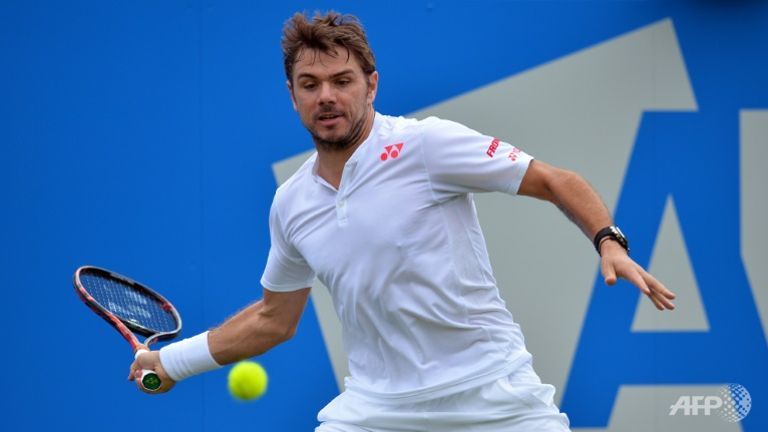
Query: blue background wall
{"x": 139, "y": 136}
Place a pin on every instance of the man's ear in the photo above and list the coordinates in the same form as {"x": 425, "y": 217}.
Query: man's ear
{"x": 373, "y": 86}
{"x": 290, "y": 91}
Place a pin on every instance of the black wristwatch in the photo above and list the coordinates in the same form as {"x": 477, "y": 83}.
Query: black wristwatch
{"x": 613, "y": 232}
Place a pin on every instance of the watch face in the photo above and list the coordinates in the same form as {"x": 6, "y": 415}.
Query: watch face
{"x": 620, "y": 237}
{"x": 617, "y": 231}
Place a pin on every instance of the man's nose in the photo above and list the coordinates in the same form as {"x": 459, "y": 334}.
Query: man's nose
{"x": 327, "y": 93}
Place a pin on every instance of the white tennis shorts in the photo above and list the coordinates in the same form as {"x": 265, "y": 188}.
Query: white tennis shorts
{"x": 515, "y": 403}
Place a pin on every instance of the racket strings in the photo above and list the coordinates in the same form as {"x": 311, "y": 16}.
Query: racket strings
{"x": 129, "y": 303}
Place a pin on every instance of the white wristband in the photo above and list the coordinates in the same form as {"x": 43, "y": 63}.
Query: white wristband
{"x": 187, "y": 357}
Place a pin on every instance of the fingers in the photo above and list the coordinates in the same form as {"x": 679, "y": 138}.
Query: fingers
{"x": 150, "y": 361}
{"x": 609, "y": 273}
{"x": 656, "y": 302}
{"x": 136, "y": 366}
{"x": 132, "y": 371}
{"x": 621, "y": 266}
{"x": 661, "y": 295}
{"x": 657, "y": 286}
{"x": 637, "y": 280}
{"x": 146, "y": 360}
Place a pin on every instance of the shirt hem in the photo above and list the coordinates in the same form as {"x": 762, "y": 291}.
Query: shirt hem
{"x": 439, "y": 390}
{"x": 286, "y": 288}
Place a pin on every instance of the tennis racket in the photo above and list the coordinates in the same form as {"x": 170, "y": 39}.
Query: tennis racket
{"x": 129, "y": 307}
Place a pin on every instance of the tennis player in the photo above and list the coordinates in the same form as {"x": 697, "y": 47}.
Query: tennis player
{"x": 383, "y": 215}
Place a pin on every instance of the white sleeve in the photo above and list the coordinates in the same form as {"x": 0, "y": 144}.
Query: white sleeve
{"x": 460, "y": 160}
{"x": 286, "y": 269}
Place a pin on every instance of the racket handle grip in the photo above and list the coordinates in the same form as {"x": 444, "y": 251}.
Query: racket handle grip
{"x": 149, "y": 378}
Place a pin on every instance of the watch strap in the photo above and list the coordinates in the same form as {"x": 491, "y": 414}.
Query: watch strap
{"x": 612, "y": 232}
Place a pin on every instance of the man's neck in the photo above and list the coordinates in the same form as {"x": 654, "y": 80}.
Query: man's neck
{"x": 330, "y": 163}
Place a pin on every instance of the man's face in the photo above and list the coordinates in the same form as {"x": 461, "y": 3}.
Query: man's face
{"x": 332, "y": 96}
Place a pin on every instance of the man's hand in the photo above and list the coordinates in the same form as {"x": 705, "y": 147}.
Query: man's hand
{"x": 150, "y": 361}
{"x": 617, "y": 264}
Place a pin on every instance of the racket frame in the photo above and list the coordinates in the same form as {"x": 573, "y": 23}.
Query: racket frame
{"x": 126, "y": 327}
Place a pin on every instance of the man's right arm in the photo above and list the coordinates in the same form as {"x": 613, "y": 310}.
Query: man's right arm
{"x": 252, "y": 331}
{"x": 259, "y": 327}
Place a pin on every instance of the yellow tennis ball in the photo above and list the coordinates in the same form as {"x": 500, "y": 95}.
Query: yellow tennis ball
{"x": 247, "y": 380}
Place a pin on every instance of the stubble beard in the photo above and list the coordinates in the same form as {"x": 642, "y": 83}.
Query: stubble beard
{"x": 344, "y": 142}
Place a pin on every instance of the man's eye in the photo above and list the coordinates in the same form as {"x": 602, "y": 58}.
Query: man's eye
{"x": 309, "y": 86}
{"x": 342, "y": 82}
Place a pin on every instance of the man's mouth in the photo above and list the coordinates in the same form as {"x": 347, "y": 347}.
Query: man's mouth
{"x": 328, "y": 118}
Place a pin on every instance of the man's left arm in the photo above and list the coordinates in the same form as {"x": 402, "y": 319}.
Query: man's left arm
{"x": 581, "y": 203}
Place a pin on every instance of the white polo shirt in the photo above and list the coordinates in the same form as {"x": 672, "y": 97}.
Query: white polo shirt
{"x": 400, "y": 248}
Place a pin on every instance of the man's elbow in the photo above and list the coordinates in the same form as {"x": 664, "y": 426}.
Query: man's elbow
{"x": 281, "y": 332}
{"x": 287, "y": 333}
{"x": 563, "y": 182}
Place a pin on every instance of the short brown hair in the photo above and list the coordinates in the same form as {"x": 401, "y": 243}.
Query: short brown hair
{"x": 325, "y": 33}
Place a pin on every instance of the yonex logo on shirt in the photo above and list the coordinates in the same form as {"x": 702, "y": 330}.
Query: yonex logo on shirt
{"x": 513, "y": 154}
{"x": 492, "y": 148}
{"x": 392, "y": 151}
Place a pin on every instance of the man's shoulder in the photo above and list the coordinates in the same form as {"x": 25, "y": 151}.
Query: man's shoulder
{"x": 399, "y": 124}
{"x": 411, "y": 126}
